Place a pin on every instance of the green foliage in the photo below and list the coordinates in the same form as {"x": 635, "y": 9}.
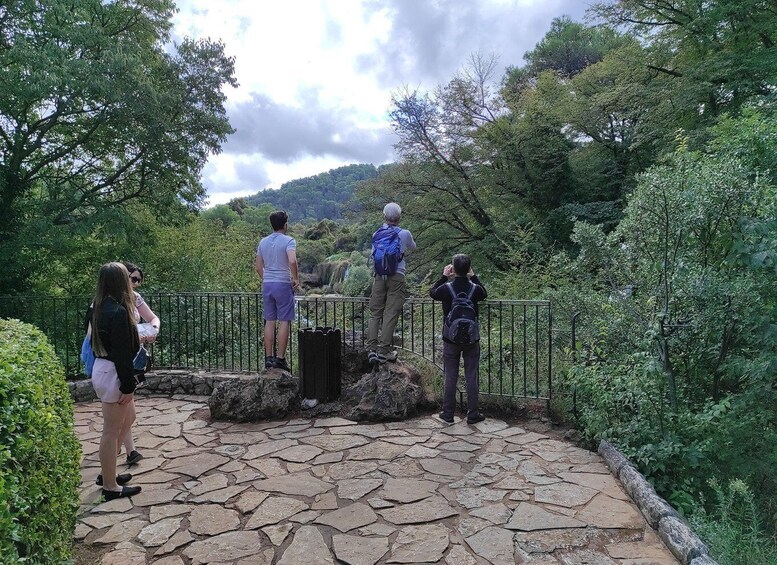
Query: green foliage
{"x": 733, "y": 530}
{"x": 96, "y": 112}
{"x": 320, "y": 197}
{"x": 39, "y": 453}
{"x": 358, "y": 282}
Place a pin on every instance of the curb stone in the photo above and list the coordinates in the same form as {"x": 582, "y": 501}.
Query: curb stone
{"x": 672, "y": 529}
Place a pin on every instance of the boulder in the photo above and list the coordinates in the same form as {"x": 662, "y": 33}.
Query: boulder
{"x": 248, "y": 398}
{"x": 393, "y": 392}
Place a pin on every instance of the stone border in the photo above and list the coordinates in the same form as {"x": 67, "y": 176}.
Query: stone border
{"x": 165, "y": 383}
{"x": 673, "y": 530}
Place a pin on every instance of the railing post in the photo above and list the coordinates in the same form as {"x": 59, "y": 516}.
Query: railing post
{"x": 574, "y": 360}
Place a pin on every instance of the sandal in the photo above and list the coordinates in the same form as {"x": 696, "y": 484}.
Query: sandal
{"x": 109, "y": 495}
{"x": 121, "y": 479}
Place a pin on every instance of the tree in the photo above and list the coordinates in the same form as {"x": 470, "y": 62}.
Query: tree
{"x": 95, "y": 112}
{"x": 719, "y": 53}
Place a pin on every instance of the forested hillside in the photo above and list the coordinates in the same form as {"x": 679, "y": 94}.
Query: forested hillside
{"x": 319, "y": 197}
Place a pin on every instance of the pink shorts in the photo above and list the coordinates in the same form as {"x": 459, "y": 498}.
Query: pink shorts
{"x": 105, "y": 380}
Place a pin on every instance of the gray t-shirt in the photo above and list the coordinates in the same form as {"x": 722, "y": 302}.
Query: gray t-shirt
{"x": 273, "y": 250}
{"x": 406, "y": 244}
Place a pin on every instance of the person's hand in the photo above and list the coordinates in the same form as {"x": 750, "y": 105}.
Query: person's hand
{"x": 448, "y": 271}
{"x": 149, "y": 339}
{"x": 295, "y": 284}
{"x": 125, "y": 398}
{"x": 471, "y": 273}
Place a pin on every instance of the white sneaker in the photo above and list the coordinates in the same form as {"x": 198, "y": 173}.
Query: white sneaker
{"x": 309, "y": 403}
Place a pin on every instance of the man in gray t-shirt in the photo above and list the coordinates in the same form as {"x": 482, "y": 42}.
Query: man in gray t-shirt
{"x": 276, "y": 263}
{"x": 388, "y": 295}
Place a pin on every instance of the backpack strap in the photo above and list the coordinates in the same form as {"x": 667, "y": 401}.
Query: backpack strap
{"x": 471, "y": 291}
{"x": 450, "y": 289}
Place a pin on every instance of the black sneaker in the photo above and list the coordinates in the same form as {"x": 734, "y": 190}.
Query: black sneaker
{"x": 372, "y": 358}
{"x": 121, "y": 479}
{"x": 269, "y": 362}
{"x": 445, "y": 418}
{"x": 475, "y": 419}
{"x": 123, "y": 493}
{"x": 280, "y": 363}
{"x": 133, "y": 458}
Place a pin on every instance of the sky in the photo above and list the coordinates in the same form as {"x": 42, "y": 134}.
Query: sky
{"x": 316, "y": 76}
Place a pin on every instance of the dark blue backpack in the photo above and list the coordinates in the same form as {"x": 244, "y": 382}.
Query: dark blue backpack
{"x": 461, "y": 324}
{"x": 386, "y": 251}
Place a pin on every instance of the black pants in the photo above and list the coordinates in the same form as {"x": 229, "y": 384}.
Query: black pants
{"x": 451, "y": 354}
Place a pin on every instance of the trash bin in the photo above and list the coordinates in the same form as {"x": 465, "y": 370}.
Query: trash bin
{"x": 320, "y": 351}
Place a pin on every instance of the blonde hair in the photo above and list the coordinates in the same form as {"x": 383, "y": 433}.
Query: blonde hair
{"x": 113, "y": 281}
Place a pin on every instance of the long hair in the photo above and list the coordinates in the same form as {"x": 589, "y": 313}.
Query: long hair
{"x": 112, "y": 282}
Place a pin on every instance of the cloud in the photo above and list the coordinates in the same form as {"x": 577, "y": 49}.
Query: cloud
{"x": 285, "y": 133}
{"x": 429, "y": 41}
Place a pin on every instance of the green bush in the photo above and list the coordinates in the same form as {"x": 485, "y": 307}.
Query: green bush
{"x": 39, "y": 453}
{"x": 732, "y": 530}
{"x": 358, "y": 281}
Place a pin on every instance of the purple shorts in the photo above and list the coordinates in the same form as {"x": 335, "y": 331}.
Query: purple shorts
{"x": 278, "y": 301}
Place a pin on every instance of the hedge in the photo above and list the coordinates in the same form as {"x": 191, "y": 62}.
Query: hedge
{"x": 39, "y": 453}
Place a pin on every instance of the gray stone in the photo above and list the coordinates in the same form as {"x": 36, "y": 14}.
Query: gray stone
{"x": 179, "y": 539}
{"x": 420, "y": 544}
{"x": 459, "y": 556}
{"x": 428, "y": 510}
{"x": 278, "y": 534}
{"x": 394, "y": 392}
{"x": 564, "y": 494}
{"x": 167, "y": 511}
{"x": 354, "y": 489}
{"x": 440, "y": 466}
{"x": 612, "y": 457}
{"x": 703, "y": 560}
{"x": 225, "y": 547}
{"x": 680, "y": 539}
{"x": 307, "y": 548}
{"x": 211, "y": 519}
{"x": 195, "y": 465}
{"x": 494, "y": 513}
{"x": 159, "y": 532}
{"x": 357, "y": 550}
{"x": 407, "y": 490}
{"x": 349, "y": 517}
{"x": 271, "y": 394}
{"x": 123, "y": 531}
{"x": 475, "y": 497}
{"x": 299, "y": 484}
{"x": 528, "y": 517}
{"x": 586, "y": 557}
{"x": 606, "y": 512}
{"x": 494, "y": 544}
{"x": 273, "y": 510}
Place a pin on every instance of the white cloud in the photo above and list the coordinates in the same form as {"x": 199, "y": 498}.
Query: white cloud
{"x": 316, "y": 76}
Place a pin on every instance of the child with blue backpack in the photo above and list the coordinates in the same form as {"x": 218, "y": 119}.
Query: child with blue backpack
{"x": 460, "y": 290}
{"x": 390, "y": 244}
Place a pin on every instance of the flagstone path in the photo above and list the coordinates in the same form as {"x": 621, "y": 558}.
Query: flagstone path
{"x": 329, "y": 490}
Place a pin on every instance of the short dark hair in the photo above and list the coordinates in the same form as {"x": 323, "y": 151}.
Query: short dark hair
{"x": 132, "y": 267}
{"x": 278, "y": 219}
{"x": 461, "y": 264}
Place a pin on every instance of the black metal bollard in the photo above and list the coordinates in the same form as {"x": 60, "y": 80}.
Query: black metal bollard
{"x": 320, "y": 352}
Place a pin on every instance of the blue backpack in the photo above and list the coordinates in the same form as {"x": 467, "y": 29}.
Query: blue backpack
{"x": 461, "y": 324}
{"x": 386, "y": 251}
{"x": 87, "y": 356}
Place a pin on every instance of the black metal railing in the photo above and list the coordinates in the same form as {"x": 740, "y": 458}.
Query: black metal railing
{"x": 224, "y": 332}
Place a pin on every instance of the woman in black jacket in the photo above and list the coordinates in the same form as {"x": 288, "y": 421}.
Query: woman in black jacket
{"x": 115, "y": 343}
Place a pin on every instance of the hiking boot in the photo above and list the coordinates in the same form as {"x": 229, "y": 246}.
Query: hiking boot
{"x": 476, "y": 418}
{"x": 280, "y": 363}
{"x": 446, "y": 418}
{"x": 133, "y": 458}
{"x": 391, "y": 356}
{"x": 269, "y": 362}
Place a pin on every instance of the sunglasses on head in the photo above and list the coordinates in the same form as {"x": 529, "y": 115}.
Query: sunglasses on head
{"x": 136, "y": 279}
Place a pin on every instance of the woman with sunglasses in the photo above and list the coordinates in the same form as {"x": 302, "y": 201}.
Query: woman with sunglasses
{"x": 141, "y": 311}
{"x": 115, "y": 343}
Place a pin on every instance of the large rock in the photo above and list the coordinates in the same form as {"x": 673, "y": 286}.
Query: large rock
{"x": 247, "y": 398}
{"x": 393, "y": 392}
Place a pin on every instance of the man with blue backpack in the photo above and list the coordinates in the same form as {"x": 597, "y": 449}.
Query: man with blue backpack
{"x": 460, "y": 290}
{"x": 390, "y": 244}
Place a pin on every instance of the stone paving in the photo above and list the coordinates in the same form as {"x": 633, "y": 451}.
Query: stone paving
{"x": 329, "y": 490}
